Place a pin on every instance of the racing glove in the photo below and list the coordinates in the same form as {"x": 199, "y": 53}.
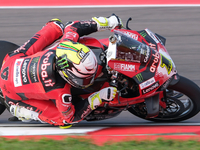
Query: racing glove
{"x": 107, "y": 94}
{"x": 57, "y": 22}
{"x": 111, "y": 22}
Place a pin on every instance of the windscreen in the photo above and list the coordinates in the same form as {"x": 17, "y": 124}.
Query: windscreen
{"x": 129, "y": 49}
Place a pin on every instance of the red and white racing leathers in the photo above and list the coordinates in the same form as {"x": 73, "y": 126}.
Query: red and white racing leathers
{"x": 28, "y": 76}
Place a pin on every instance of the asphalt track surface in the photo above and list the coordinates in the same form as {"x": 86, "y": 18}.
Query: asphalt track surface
{"x": 180, "y": 26}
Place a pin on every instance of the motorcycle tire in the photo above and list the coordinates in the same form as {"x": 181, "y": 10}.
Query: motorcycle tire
{"x": 2, "y": 108}
{"x": 5, "y": 47}
{"x": 181, "y": 109}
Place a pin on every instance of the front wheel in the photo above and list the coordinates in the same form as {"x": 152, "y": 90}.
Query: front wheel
{"x": 182, "y": 100}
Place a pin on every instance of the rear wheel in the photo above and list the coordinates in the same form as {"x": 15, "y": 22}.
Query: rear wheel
{"x": 2, "y": 108}
{"x": 5, "y": 47}
{"x": 182, "y": 100}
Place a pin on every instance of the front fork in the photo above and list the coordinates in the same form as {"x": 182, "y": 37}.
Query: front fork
{"x": 163, "y": 94}
{"x": 154, "y": 103}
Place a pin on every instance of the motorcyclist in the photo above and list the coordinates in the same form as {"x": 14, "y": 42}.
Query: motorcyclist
{"x": 37, "y": 77}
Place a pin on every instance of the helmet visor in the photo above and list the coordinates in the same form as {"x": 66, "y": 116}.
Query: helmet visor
{"x": 82, "y": 82}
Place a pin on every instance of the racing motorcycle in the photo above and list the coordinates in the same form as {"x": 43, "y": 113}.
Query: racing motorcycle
{"x": 139, "y": 65}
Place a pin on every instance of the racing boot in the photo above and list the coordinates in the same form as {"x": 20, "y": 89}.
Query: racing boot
{"x": 111, "y": 22}
{"x": 106, "y": 94}
{"x": 24, "y": 114}
{"x": 66, "y": 126}
{"x": 14, "y": 118}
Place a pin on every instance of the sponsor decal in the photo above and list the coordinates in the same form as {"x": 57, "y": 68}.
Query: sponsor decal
{"x": 24, "y": 105}
{"x": 71, "y": 34}
{"x": 5, "y": 73}
{"x": 139, "y": 77}
{"x": 146, "y": 58}
{"x": 151, "y": 88}
{"x": 134, "y": 36}
{"x": 33, "y": 70}
{"x": 86, "y": 112}
{"x": 143, "y": 34}
{"x": 165, "y": 85}
{"x": 102, "y": 111}
{"x": 46, "y": 71}
{"x": 27, "y": 44}
{"x": 17, "y": 72}
{"x": 82, "y": 55}
{"x": 21, "y": 47}
{"x": 155, "y": 62}
{"x": 151, "y": 34}
{"x": 124, "y": 67}
{"x": 151, "y": 45}
{"x": 167, "y": 63}
{"x": 5, "y": 89}
{"x": 147, "y": 83}
{"x": 24, "y": 73}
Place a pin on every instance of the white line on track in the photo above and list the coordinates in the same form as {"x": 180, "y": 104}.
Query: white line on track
{"x": 19, "y": 131}
{"x": 96, "y": 6}
{"x": 90, "y": 124}
{"x": 45, "y": 129}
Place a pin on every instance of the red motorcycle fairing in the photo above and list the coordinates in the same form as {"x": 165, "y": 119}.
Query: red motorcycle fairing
{"x": 154, "y": 69}
{"x": 91, "y": 42}
{"x": 158, "y": 56}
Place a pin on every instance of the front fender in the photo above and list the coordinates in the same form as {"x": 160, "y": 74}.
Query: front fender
{"x": 174, "y": 80}
{"x": 152, "y": 105}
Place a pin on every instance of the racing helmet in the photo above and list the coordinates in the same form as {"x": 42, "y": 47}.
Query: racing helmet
{"x": 76, "y": 63}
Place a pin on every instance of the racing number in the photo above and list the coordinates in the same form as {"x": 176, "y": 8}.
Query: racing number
{"x": 4, "y": 74}
{"x": 167, "y": 63}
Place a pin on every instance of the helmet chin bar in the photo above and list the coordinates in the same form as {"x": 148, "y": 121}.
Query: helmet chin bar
{"x": 71, "y": 82}
{"x": 62, "y": 75}
{"x": 65, "y": 78}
